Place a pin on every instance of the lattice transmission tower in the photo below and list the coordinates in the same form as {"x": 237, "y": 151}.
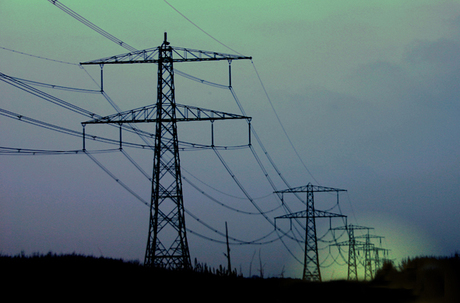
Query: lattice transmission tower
{"x": 353, "y": 245}
{"x": 378, "y": 259}
{"x": 369, "y": 249}
{"x": 166, "y": 204}
{"x": 311, "y": 271}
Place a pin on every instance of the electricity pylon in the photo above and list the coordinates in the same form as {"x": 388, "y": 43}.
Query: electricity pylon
{"x": 311, "y": 271}
{"x": 166, "y": 205}
{"x": 368, "y": 248}
{"x": 378, "y": 261}
{"x": 351, "y": 243}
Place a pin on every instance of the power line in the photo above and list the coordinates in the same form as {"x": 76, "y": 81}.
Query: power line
{"x": 121, "y": 43}
{"x": 60, "y": 87}
{"x": 65, "y": 130}
{"x": 276, "y": 114}
{"x": 25, "y": 87}
{"x": 91, "y": 25}
{"x": 281, "y": 124}
{"x": 191, "y": 77}
{"x": 201, "y": 29}
{"x": 23, "y": 151}
{"x": 108, "y": 172}
{"x": 39, "y": 57}
{"x": 118, "y": 41}
{"x": 262, "y": 84}
{"x": 224, "y": 205}
{"x": 14, "y": 151}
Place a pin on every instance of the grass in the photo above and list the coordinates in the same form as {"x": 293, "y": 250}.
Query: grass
{"x": 78, "y": 277}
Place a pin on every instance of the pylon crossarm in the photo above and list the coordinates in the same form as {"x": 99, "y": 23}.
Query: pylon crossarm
{"x": 184, "y": 113}
{"x": 185, "y": 146}
{"x": 188, "y": 54}
{"x": 368, "y": 237}
{"x": 310, "y": 188}
{"x": 348, "y": 243}
{"x": 355, "y": 227}
{"x": 364, "y": 246}
{"x": 191, "y": 113}
{"x": 343, "y": 243}
{"x": 141, "y": 56}
{"x": 150, "y": 55}
{"x": 317, "y": 214}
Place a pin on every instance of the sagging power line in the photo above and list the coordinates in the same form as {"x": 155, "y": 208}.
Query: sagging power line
{"x": 191, "y": 77}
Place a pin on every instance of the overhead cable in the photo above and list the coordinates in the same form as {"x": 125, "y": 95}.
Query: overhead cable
{"x": 91, "y": 25}
{"x": 39, "y": 57}
{"x": 60, "y": 87}
{"x": 115, "y": 178}
{"x": 281, "y": 124}
{"x": 194, "y": 24}
{"x": 13, "y": 151}
{"x": 120, "y": 42}
{"x": 25, "y": 87}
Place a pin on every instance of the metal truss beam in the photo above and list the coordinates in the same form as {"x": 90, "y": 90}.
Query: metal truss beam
{"x": 316, "y": 214}
{"x": 178, "y": 54}
{"x": 310, "y": 187}
{"x": 184, "y": 113}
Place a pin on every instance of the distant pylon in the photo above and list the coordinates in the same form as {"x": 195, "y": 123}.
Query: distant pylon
{"x": 368, "y": 248}
{"x": 378, "y": 261}
{"x": 311, "y": 271}
{"x": 167, "y": 244}
{"x": 352, "y": 244}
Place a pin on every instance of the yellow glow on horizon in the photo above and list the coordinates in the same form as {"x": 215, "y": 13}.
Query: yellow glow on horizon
{"x": 402, "y": 239}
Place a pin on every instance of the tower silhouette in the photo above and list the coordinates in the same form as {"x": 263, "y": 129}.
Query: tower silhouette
{"x": 311, "y": 271}
{"x": 368, "y": 247}
{"x": 167, "y": 244}
{"x": 353, "y": 245}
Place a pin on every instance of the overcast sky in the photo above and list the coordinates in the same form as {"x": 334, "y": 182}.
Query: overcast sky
{"x": 359, "y": 95}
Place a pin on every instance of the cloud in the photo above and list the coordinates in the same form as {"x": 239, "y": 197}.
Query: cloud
{"x": 435, "y": 69}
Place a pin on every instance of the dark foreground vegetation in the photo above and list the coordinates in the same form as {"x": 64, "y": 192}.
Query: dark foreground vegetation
{"x": 430, "y": 279}
{"x": 75, "y": 277}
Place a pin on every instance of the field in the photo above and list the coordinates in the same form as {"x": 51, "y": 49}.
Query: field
{"x": 77, "y": 277}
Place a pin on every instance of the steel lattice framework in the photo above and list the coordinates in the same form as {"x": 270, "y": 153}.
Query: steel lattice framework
{"x": 311, "y": 270}
{"x": 150, "y": 114}
{"x": 368, "y": 248}
{"x": 167, "y": 206}
{"x": 352, "y": 243}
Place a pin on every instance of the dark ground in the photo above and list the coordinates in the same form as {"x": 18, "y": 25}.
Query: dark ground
{"x": 75, "y": 277}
